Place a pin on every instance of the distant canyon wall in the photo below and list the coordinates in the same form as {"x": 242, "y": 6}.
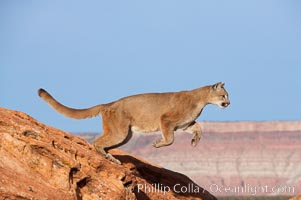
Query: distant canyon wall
{"x": 251, "y": 126}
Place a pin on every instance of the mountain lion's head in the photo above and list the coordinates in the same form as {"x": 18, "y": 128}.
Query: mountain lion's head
{"x": 218, "y": 95}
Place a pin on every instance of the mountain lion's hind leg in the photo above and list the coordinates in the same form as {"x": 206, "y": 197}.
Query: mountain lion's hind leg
{"x": 195, "y": 129}
{"x": 113, "y": 136}
{"x": 101, "y": 143}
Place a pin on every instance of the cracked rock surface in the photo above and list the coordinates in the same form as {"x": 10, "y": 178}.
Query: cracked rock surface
{"x": 41, "y": 162}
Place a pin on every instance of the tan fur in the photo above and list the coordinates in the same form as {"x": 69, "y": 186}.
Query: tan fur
{"x": 165, "y": 112}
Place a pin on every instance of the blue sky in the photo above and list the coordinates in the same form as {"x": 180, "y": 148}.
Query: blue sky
{"x": 90, "y": 52}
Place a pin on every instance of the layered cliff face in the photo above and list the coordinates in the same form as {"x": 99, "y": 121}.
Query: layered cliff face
{"x": 233, "y": 158}
{"x": 41, "y": 162}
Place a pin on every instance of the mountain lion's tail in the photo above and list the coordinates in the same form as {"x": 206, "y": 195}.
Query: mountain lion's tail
{"x": 69, "y": 112}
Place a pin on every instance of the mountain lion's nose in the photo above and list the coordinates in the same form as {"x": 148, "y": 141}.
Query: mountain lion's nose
{"x": 225, "y": 104}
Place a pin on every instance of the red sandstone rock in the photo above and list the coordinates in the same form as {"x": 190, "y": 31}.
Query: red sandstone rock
{"x": 41, "y": 162}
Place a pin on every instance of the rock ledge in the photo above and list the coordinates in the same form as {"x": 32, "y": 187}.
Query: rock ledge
{"x": 41, "y": 162}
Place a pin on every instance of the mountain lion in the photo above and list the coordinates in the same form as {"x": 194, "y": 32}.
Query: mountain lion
{"x": 165, "y": 112}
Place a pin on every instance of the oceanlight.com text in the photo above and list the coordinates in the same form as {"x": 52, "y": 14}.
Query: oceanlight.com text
{"x": 216, "y": 189}
{"x": 248, "y": 189}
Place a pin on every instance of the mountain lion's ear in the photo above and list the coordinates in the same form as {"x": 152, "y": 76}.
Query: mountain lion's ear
{"x": 217, "y": 85}
{"x": 222, "y": 85}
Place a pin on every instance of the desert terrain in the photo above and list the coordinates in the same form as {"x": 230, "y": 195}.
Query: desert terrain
{"x": 41, "y": 162}
{"x": 232, "y": 158}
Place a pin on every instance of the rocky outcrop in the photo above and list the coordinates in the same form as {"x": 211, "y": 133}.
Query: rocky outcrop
{"x": 41, "y": 162}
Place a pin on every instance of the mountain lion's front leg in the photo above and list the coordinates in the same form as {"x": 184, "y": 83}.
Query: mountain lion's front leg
{"x": 167, "y": 135}
{"x": 195, "y": 129}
